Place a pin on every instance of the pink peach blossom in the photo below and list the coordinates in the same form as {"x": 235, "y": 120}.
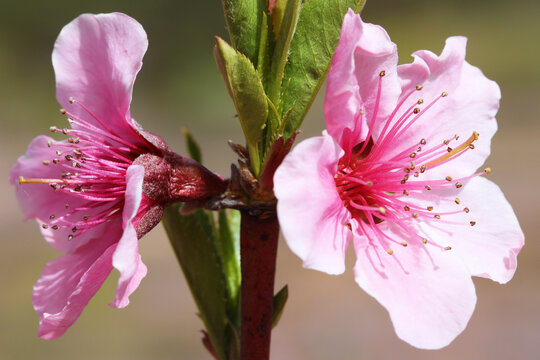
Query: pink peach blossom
{"x": 96, "y": 193}
{"x": 396, "y": 174}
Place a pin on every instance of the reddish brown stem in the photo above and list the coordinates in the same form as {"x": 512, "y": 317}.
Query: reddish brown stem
{"x": 258, "y": 249}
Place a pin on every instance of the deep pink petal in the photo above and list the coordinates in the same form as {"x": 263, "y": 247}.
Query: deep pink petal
{"x": 490, "y": 247}
{"x": 471, "y": 105}
{"x": 428, "y": 292}
{"x": 40, "y": 201}
{"x": 127, "y": 259}
{"x": 363, "y": 51}
{"x": 96, "y": 59}
{"x": 310, "y": 211}
{"x": 67, "y": 284}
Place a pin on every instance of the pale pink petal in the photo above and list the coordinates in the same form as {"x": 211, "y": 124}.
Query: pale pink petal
{"x": 428, "y": 292}
{"x": 96, "y": 59}
{"x": 310, "y": 211}
{"x": 40, "y": 201}
{"x": 363, "y": 51}
{"x": 490, "y": 247}
{"x": 126, "y": 258}
{"x": 67, "y": 284}
{"x": 471, "y": 105}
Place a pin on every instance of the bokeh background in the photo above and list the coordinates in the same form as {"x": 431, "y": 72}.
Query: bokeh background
{"x": 326, "y": 317}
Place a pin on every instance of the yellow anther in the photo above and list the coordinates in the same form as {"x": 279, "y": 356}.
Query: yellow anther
{"x": 457, "y": 201}
{"x": 390, "y": 251}
{"x": 404, "y": 244}
{"x": 473, "y": 223}
{"x": 419, "y": 87}
{"x": 448, "y": 178}
{"x": 430, "y": 208}
{"x": 382, "y": 73}
{"x": 487, "y": 170}
{"x": 424, "y": 240}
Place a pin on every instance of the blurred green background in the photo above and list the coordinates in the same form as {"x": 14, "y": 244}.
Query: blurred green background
{"x": 327, "y": 317}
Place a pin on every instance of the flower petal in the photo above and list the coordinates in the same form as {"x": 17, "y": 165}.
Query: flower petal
{"x": 126, "y": 258}
{"x": 40, "y": 201}
{"x": 490, "y": 247}
{"x": 428, "y": 292}
{"x": 67, "y": 284}
{"x": 96, "y": 59}
{"x": 471, "y": 105}
{"x": 363, "y": 51}
{"x": 310, "y": 211}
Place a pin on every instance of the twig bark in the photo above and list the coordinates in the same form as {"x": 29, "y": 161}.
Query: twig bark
{"x": 259, "y": 237}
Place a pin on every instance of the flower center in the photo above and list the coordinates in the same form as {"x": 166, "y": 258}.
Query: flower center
{"x": 377, "y": 184}
{"x": 88, "y": 172}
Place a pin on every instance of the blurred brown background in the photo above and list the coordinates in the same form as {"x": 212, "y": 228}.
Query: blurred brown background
{"x": 327, "y": 317}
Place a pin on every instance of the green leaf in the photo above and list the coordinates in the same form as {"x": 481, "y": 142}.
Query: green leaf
{"x": 247, "y": 92}
{"x": 193, "y": 148}
{"x": 233, "y": 340}
{"x": 277, "y": 14}
{"x": 191, "y": 239}
{"x": 229, "y": 250}
{"x": 265, "y": 43}
{"x": 281, "y": 49}
{"x": 280, "y": 299}
{"x": 311, "y": 50}
{"x": 244, "y": 19}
